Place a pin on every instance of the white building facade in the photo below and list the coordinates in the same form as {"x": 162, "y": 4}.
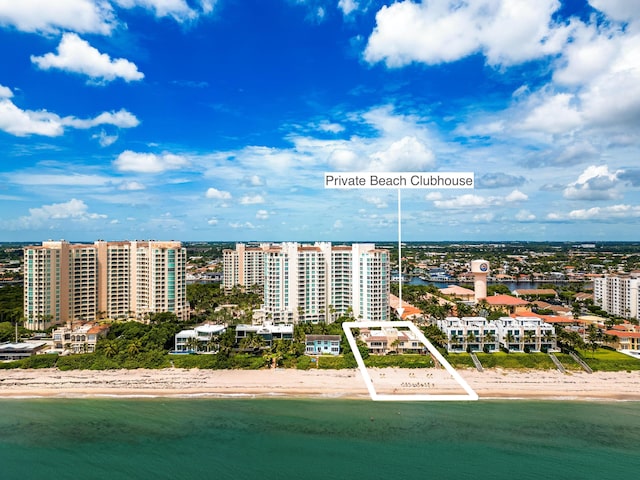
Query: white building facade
{"x": 617, "y": 295}
{"x": 517, "y": 334}
{"x": 319, "y": 282}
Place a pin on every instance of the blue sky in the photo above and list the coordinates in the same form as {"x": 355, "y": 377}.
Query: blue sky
{"x": 216, "y": 119}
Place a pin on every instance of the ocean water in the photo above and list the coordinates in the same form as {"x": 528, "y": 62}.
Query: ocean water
{"x": 316, "y": 439}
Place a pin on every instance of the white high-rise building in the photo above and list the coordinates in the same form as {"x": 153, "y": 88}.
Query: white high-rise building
{"x": 66, "y": 282}
{"x": 319, "y": 282}
{"x": 617, "y": 295}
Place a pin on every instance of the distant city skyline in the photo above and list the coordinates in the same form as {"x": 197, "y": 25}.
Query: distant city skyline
{"x": 215, "y": 120}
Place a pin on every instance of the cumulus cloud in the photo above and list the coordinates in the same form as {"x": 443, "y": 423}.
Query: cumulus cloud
{"x": 605, "y": 213}
{"x": 468, "y": 200}
{"x": 506, "y": 32}
{"x": 212, "y": 221}
{"x": 262, "y": 215}
{"x": 218, "y": 194}
{"x": 516, "y": 196}
{"x": 121, "y": 119}
{"x": 620, "y": 10}
{"x": 74, "y": 210}
{"x": 77, "y": 56}
{"x": 406, "y": 154}
{"x": 129, "y": 161}
{"x": 21, "y": 123}
{"x": 251, "y": 200}
{"x": 473, "y": 201}
{"x": 179, "y": 10}
{"x": 84, "y": 16}
{"x": 595, "y": 183}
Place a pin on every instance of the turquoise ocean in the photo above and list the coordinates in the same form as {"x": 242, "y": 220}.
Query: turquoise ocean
{"x": 276, "y": 438}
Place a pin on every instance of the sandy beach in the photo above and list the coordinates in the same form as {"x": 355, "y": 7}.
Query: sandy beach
{"x": 495, "y": 383}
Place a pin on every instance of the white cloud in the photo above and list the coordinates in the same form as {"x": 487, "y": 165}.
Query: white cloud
{"x": 605, "y": 213}
{"x": 104, "y": 139}
{"x": 377, "y": 201}
{"x": 129, "y": 161}
{"x": 337, "y": 225}
{"x": 131, "y": 186}
{"x": 121, "y": 119}
{"x": 506, "y": 31}
{"x": 472, "y": 201}
{"x": 75, "y": 210}
{"x": 20, "y": 122}
{"x": 251, "y": 200}
{"x": 525, "y": 216}
{"x": 595, "y": 183}
{"x": 516, "y": 196}
{"x": 463, "y": 201}
{"x": 5, "y": 92}
{"x": 262, "y": 215}
{"x": 218, "y": 194}
{"x": 85, "y": 16}
{"x": 212, "y": 221}
{"x": 483, "y": 217}
{"x": 431, "y": 196}
{"x": 555, "y": 113}
{"x": 179, "y": 10}
{"x": 247, "y": 225}
{"x": 406, "y": 154}
{"x": 620, "y": 10}
{"x": 77, "y": 56}
{"x": 348, "y": 6}
{"x": 256, "y": 181}
{"x": 330, "y": 127}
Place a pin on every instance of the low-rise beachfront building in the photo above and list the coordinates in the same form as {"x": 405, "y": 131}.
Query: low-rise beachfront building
{"x": 322, "y": 344}
{"x": 20, "y": 350}
{"x": 385, "y": 340}
{"x": 198, "y": 339}
{"x": 507, "y": 303}
{"x": 517, "y": 334}
{"x": 525, "y": 334}
{"x": 625, "y": 337}
{"x": 474, "y": 334}
{"x": 79, "y": 338}
{"x": 267, "y": 331}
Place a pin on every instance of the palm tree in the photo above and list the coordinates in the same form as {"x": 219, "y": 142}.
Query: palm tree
{"x": 192, "y": 344}
{"x": 529, "y": 337}
{"x": 134, "y": 347}
{"x": 509, "y": 338}
{"x": 109, "y": 348}
{"x": 455, "y": 341}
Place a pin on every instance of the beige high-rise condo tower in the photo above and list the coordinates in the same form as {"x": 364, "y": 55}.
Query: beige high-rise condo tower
{"x": 65, "y": 282}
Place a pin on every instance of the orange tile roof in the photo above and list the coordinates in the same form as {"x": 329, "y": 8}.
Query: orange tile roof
{"x": 505, "y": 300}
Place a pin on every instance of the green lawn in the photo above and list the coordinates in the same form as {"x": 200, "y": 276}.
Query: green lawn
{"x": 604, "y": 360}
{"x": 540, "y": 361}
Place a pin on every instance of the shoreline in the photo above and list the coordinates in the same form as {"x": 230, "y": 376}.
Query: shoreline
{"x": 492, "y": 384}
